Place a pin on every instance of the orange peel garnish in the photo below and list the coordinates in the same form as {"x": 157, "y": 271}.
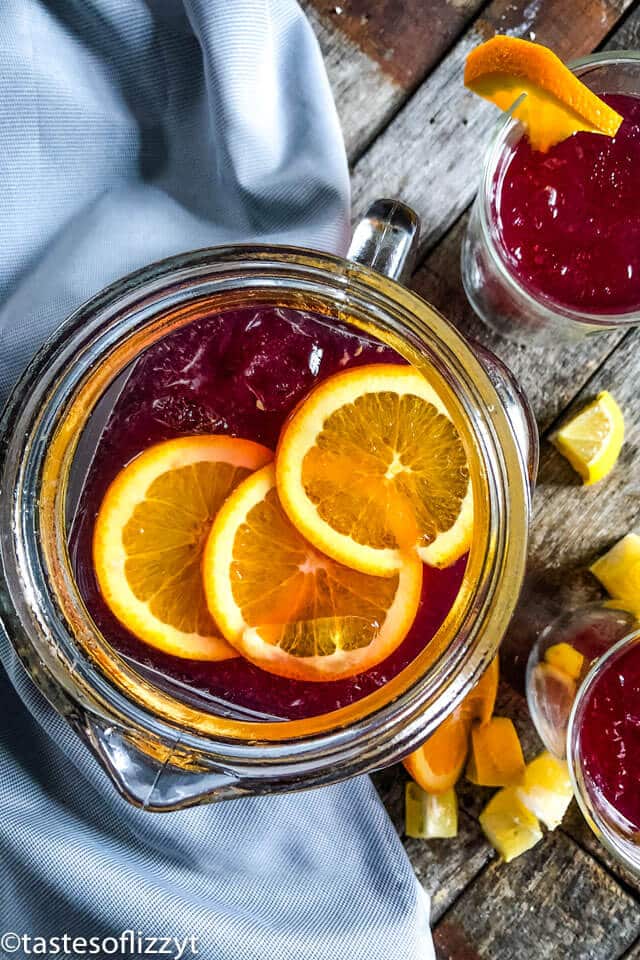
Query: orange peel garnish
{"x": 556, "y": 103}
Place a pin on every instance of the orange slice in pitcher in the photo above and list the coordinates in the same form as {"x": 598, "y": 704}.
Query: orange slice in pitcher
{"x": 290, "y": 609}
{"x": 150, "y": 533}
{"x": 371, "y": 469}
{"x": 556, "y": 103}
{"x": 438, "y": 763}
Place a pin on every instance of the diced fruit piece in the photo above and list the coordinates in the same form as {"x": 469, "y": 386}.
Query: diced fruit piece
{"x": 564, "y": 657}
{"x": 150, "y": 533}
{"x": 288, "y": 608}
{"x": 619, "y": 572}
{"x": 556, "y": 104}
{"x": 429, "y": 815}
{"x": 545, "y": 789}
{"x": 479, "y": 702}
{"x": 552, "y": 693}
{"x": 591, "y": 440}
{"x": 438, "y": 763}
{"x": 496, "y": 754}
{"x": 508, "y": 825}
{"x": 371, "y": 467}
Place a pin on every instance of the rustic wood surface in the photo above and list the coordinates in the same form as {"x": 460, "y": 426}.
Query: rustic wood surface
{"x": 413, "y": 132}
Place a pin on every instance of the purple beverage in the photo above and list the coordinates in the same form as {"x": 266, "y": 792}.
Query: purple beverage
{"x": 239, "y": 373}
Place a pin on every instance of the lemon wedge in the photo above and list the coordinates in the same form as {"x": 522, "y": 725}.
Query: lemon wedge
{"x": 545, "y": 789}
{"x": 429, "y": 816}
{"x": 591, "y": 440}
{"x": 508, "y": 825}
{"x": 619, "y": 572}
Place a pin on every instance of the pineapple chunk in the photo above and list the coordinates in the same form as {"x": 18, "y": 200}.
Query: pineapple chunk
{"x": 564, "y": 657}
{"x": 619, "y": 572}
{"x": 508, "y": 825}
{"x": 430, "y": 815}
{"x": 546, "y": 789}
{"x": 496, "y": 754}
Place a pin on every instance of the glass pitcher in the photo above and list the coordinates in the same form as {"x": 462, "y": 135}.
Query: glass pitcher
{"x": 160, "y": 752}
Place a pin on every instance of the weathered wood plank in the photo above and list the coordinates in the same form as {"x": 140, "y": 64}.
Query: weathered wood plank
{"x": 443, "y": 867}
{"x": 554, "y": 902}
{"x": 428, "y": 155}
{"x": 577, "y": 827}
{"x": 377, "y": 51}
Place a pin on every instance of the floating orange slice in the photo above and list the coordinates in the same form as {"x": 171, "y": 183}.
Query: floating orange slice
{"x": 438, "y": 763}
{"x": 290, "y": 609}
{"x": 150, "y": 534}
{"x": 371, "y": 468}
{"x": 556, "y": 104}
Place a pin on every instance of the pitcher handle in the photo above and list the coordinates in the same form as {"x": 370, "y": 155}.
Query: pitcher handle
{"x": 386, "y": 239}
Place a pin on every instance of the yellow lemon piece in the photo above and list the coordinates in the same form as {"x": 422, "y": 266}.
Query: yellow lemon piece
{"x": 371, "y": 468}
{"x": 150, "y": 534}
{"x": 556, "y": 104}
{"x": 496, "y": 754}
{"x": 508, "y": 825}
{"x": 591, "y": 440}
{"x": 290, "y": 609}
{"x": 566, "y": 658}
{"x": 619, "y": 572}
{"x": 545, "y": 789}
{"x": 430, "y": 816}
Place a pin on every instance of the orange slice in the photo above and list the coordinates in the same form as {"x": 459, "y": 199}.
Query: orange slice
{"x": 438, "y": 763}
{"x": 370, "y": 468}
{"x": 150, "y": 534}
{"x": 290, "y": 609}
{"x": 556, "y": 104}
{"x": 496, "y": 754}
{"x": 479, "y": 702}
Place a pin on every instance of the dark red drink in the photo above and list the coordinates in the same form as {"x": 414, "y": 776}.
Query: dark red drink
{"x": 568, "y": 221}
{"x": 609, "y": 738}
{"x": 238, "y": 373}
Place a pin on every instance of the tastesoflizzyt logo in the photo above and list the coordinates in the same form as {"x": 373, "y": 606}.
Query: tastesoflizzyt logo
{"x": 129, "y": 943}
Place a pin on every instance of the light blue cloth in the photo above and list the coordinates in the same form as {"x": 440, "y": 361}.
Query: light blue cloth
{"x": 130, "y": 130}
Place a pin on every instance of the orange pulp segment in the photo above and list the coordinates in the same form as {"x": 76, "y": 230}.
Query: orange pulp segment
{"x": 480, "y": 701}
{"x": 496, "y": 754}
{"x": 150, "y": 533}
{"x": 438, "y": 763}
{"x": 371, "y": 469}
{"x": 556, "y": 103}
{"x": 290, "y": 609}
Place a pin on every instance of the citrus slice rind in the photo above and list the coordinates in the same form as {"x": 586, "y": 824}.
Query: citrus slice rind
{"x": 291, "y": 610}
{"x": 438, "y": 763}
{"x": 556, "y": 103}
{"x": 150, "y": 532}
{"x": 370, "y": 468}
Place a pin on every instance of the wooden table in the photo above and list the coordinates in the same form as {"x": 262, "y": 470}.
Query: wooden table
{"x": 413, "y": 132}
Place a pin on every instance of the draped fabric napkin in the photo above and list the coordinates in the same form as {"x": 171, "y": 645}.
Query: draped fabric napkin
{"x": 131, "y": 130}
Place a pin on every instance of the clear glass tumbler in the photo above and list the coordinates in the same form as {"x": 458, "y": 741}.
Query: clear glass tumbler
{"x": 495, "y": 293}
